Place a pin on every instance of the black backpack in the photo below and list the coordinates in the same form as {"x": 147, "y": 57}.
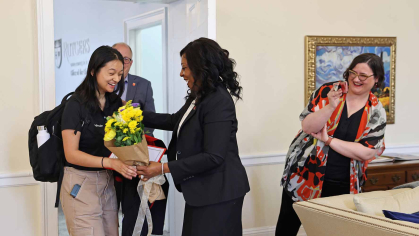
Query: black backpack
{"x": 48, "y": 160}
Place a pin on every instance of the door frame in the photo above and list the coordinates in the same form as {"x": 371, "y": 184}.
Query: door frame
{"x": 146, "y": 20}
{"x": 46, "y": 80}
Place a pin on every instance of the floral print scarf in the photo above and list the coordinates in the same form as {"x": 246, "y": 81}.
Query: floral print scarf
{"x": 307, "y": 157}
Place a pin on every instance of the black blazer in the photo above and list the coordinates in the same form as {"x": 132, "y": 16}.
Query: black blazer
{"x": 208, "y": 169}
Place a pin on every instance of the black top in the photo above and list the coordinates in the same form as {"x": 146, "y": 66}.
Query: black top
{"x": 90, "y": 124}
{"x": 208, "y": 169}
{"x": 338, "y": 166}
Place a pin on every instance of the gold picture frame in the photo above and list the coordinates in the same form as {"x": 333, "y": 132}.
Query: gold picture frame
{"x": 327, "y": 56}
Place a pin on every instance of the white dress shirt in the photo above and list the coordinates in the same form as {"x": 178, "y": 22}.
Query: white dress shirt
{"x": 184, "y": 117}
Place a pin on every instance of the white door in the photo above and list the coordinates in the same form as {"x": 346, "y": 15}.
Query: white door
{"x": 146, "y": 42}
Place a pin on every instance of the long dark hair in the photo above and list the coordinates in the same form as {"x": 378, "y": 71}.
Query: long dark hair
{"x": 88, "y": 88}
{"x": 374, "y": 62}
{"x": 210, "y": 66}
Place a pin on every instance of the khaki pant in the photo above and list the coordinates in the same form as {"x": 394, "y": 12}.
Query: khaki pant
{"x": 93, "y": 212}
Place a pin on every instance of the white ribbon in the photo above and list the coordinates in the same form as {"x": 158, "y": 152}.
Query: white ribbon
{"x": 144, "y": 210}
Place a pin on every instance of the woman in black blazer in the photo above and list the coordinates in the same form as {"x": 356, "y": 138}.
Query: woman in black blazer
{"x": 203, "y": 154}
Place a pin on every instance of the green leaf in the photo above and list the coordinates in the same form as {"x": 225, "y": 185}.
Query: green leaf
{"x": 139, "y": 136}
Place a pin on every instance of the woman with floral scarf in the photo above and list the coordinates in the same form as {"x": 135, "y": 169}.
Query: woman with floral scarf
{"x": 341, "y": 133}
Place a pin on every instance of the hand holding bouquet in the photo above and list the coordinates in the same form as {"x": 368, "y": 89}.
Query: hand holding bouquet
{"x": 124, "y": 137}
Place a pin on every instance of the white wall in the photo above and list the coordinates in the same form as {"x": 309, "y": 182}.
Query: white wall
{"x": 92, "y": 24}
{"x": 18, "y": 98}
{"x": 20, "y": 205}
{"x": 267, "y": 40}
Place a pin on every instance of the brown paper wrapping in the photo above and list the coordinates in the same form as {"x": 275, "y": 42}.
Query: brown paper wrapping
{"x": 136, "y": 155}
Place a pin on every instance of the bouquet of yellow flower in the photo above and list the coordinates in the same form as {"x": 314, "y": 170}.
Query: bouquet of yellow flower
{"x": 124, "y": 135}
{"x": 125, "y": 125}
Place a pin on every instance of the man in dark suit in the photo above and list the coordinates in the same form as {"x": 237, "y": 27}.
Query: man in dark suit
{"x": 139, "y": 91}
{"x": 137, "y": 88}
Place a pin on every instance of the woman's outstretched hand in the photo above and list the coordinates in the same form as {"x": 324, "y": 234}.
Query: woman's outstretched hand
{"x": 125, "y": 170}
{"x": 148, "y": 172}
{"x": 322, "y": 134}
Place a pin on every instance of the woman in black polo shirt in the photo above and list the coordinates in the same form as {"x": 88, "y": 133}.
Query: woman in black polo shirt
{"x": 87, "y": 194}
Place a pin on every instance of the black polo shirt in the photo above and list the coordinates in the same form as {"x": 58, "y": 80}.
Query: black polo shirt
{"x": 338, "y": 166}
{"x": 91, "y": 125}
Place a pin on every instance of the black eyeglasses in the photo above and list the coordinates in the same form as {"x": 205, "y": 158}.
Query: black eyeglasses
{"x": 127, "y": 60}
{"x": 362, "y": 77}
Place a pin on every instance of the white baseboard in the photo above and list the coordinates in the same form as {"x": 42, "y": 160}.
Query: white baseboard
{"x": 279, "y": 158}
{"x": 17, "y": 179}
{"x": 270, "y": 159}
{"x": 262, "y": 231}
{"x": 268, "y": 231}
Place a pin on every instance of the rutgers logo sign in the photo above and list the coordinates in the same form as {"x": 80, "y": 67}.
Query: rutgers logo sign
{"x": 58, "y": 53}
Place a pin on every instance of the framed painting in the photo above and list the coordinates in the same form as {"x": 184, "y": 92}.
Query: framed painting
{"x": 327, "y": 57}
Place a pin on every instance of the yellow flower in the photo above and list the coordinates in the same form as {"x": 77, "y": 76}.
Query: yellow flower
{"x": 133, "y": 124}
{"x": 125, "y": 117}
{"x": 139, "y": 118}
{"x": 109, "y": 123}
{"x": 128, "y": 114}
{"x": 110, "y": 135}
{"x": 123, "y": 123}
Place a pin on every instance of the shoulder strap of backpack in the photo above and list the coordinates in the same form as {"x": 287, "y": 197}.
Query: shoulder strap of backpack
{"x": 66, "y": 97}
{"x": 84, "y": 116}
{"x": 84, "y": 121}
{"x": 61, "y": 160}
